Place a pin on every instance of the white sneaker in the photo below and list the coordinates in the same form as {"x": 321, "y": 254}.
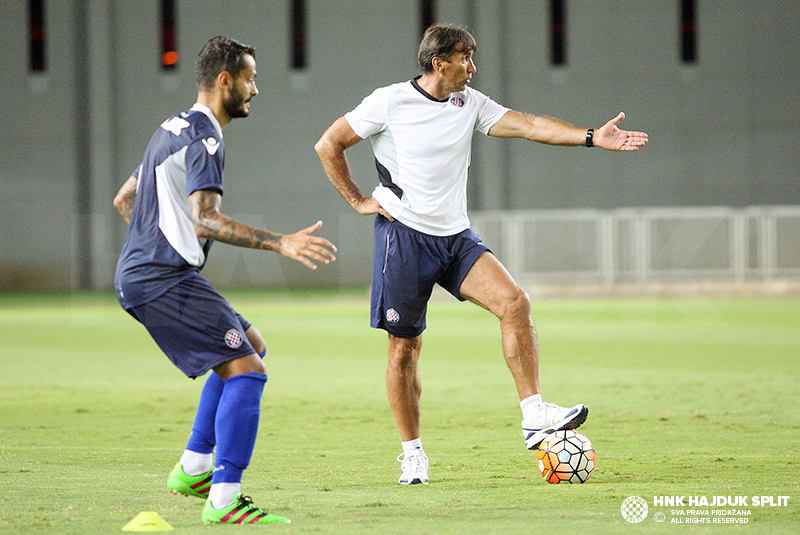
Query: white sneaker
{"x": 414, "y": 468}
{"x": 552, "y": 418}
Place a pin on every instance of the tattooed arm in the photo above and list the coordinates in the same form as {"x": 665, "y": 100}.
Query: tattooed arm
{"x": 125, "y": 198}
{"x": 210, "y": 223}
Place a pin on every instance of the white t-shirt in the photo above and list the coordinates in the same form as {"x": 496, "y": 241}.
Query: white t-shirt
{"x": 422, "y": 150}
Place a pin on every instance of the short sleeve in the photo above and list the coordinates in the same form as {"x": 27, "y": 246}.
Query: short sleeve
{"x": 370, "y": 117}
{"x": 489, "y": 112}
{"x": 204, "y": 165}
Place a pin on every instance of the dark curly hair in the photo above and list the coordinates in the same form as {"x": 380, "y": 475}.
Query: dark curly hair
{"x": 220, "y": 54}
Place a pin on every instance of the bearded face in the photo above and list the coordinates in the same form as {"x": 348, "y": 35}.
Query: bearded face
{"x": 237, "y": 104}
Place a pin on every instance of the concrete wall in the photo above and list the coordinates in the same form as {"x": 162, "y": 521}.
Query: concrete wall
{"x": 723, "y": 132}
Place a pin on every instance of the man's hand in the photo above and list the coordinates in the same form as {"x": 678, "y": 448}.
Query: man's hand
{"x": 610, "y": 137}
{"x": 304, "y": 247}
{"x": 370, "y": 205}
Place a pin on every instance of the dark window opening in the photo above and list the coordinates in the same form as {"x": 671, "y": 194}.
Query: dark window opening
{"x": 169, "y": 36}
{"x": 299, "y": 46}
{"x": 688, "y": 27}
{"x": 36, "y": 36}
{"x": 427, "y": 15}
{"x": 558, "y": 32}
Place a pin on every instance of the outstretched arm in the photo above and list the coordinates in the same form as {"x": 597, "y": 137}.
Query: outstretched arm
{"x": 126, "y": 196}
{"x": 330, "y": 148}
{"x": 554, "y": 132}
{"x": 301, "y": 246}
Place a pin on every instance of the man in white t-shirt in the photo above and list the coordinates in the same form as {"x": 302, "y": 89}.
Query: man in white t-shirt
{"x": 421, "y": 133}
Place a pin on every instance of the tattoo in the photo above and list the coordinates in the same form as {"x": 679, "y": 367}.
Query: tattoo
{"x": 126, "y": 198}
{"x": 129, "y": 201}
{"x": 211, "y": 224}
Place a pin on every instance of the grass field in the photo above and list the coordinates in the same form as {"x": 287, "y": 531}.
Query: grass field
{"x": 693, "y": 397}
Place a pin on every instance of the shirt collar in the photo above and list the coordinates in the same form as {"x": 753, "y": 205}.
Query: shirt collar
{"x": 425, "y": 93}
{"x": 205, "y": 109}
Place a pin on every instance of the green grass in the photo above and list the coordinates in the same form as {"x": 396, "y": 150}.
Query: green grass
{"x": 687, "y": 398}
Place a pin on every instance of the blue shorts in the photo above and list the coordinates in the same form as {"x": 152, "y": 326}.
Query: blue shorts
{"x": 406, "y": 266}
{"x": 195, "y": 326}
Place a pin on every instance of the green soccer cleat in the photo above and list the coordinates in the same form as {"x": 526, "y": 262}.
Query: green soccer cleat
{"x": 195, "y": 486}
{"x": 242, "y": 511}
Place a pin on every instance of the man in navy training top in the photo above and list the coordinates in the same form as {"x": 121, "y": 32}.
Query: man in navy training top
{"x": 421, "y": 132}
{"x": 172, "y": 204}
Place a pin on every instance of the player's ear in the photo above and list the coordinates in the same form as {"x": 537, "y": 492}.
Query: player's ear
{"x": 437, "y": 63}
{"x": 225, "y": 80}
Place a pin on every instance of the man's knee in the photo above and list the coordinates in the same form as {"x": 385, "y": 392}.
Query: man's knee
{"x": 247, "y": 364}
{"x": 516, "y": 304}
{"x": 403, "y": 352}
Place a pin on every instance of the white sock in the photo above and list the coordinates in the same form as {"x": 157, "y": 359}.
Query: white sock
{"x": 529, "y": 406}
{"x": 195, "y": 463}
{"x": 221, "y": 494}
{"x": 413, "y": 446}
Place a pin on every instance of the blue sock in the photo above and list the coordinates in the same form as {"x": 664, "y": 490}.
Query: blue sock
{"x": 237, "y": 425}
{"x": 203, "y": 439}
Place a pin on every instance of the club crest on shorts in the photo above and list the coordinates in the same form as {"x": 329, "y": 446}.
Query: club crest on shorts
{"x": 233, "y": 339}
{"x": 392, "y": 316}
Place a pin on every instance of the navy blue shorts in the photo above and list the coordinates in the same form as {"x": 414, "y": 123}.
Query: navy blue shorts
{"x": 195, "y": 326}
{"x": 407, "y": 264}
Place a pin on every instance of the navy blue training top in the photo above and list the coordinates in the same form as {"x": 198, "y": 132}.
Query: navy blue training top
{"x": 186, "y": 154}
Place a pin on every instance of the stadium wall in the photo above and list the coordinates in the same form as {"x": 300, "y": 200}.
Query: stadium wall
{"x": 724, "y": 131}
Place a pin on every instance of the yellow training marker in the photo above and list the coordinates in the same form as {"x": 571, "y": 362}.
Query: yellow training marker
{"x": 147, "y": 521}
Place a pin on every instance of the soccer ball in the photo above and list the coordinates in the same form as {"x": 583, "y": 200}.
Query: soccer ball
{"x": 566, "y": 457}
